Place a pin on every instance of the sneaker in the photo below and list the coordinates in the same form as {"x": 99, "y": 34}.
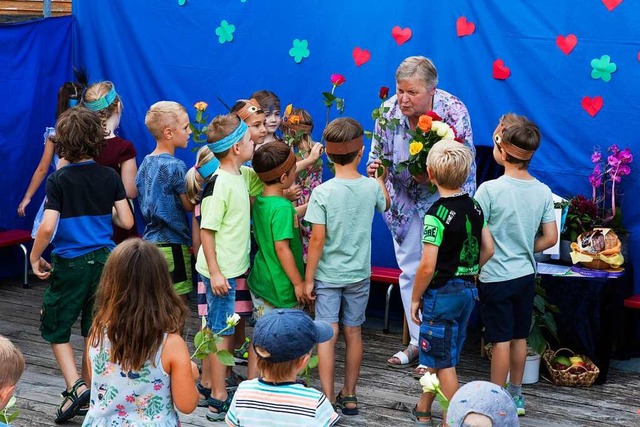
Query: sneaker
{"x": 241, "y": 355}
{"x": 519, "y": 401}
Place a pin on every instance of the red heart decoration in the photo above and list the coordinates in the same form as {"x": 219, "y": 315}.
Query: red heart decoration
{"x": 464, "y": 27}
{"x": 361, "y": 56}
{"x": 566, "y": 44}
{"x": 638, "y": 56}
{"x": 592, "y": 105}
{"x": 500, "y": 71}
{"x": 401, "y": 35}
{"x": 611, "y": 4}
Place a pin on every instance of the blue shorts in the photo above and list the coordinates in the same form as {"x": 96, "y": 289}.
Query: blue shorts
{"x": 347, "y": 302}
{"x": 506, "y": 308}
{"x": 219, "y": 307}
{"x": 445, "y": 314}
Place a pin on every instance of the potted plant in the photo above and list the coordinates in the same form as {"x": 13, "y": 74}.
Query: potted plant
{"x": 580, "y": 215}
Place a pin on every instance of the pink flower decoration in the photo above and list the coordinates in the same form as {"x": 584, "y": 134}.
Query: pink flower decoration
{"x": 625, "y": 156}
{"x": 614, "y": 149}
{"x": 337, "y": 79}
{"x": 130, "y": 399}
{"x": 624, "y": 170}
{"x": 613, "y": 161}
{"x": 157, "y": 387}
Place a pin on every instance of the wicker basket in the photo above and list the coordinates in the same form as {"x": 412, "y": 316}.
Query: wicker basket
{"x": 564, "y": 377}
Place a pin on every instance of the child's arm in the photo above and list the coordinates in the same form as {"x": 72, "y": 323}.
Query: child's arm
{"x": 301, "y": 210}
{"x": 186, "y": 203}
{"x": 122, "y": 215}
{"x": 128, "y": 170}
{"x": 548, "y": 238}
{"x": 40, "y": 267}
{"x": 219, "y": 284}
{"x": 316, "y": 244}
{"x": 424, "y": 274}
{"x": 314, "y": 155}
{"x": 486, "y": 246}
{"x": 385, "y": 193}
{"x": 288, "y": 263}
{"x": 292, "y": 193}
{"x": 38, "y": 176}
{"x": 176, "y": 362}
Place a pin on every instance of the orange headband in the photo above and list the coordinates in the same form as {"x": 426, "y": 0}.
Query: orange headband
{"x": 277, "y": 172}
{"x": 250, "y": 107}
{"x": 344, "y": 147}
{"x": 512, "y": 150}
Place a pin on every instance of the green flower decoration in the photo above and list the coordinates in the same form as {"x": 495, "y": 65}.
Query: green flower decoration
{"x": 602, "y": 68}
{"x": 225, "y": 32}
{"x": 300, "y": 50}
{"x": 182, "y": 2}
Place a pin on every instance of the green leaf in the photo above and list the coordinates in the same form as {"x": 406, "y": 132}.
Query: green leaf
{"x": 199, "y": 338}
{"x": 213, "y": 348}
{"x": 201, "y": 354}
{"x": 313, "y": 362}
{"x": 539, "y": 303}
{"x": 536, "y": 341}
{"x": 368, "y": 134}
{"x": 226, "y": 358}
{"x": 198, "y": 116}
{"x": 217, "y": 339}
{"x": 340, "y": 105}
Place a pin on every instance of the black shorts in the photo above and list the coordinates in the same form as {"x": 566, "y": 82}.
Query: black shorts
{"x": 506, "y": 308}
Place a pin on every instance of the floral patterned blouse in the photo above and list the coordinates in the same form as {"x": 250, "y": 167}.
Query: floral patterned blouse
{"x": 407, "y": 196}
{"x": 128, "y": 399}
{"x": 308, "y": 179}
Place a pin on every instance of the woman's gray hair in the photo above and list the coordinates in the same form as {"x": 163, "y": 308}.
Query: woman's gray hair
{"x": 418, "y": 67}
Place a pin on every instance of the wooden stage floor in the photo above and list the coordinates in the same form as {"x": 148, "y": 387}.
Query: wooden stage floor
{"x": 386, "y": 394}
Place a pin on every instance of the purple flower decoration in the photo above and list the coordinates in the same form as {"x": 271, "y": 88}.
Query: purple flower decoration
{"x": 596, "y": 157}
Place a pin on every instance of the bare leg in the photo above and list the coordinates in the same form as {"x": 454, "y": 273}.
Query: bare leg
{"x": 353, "y": 360}
{"x": 67, "y": 363}
{"x": 500, "y": 363}
{"x": 86, "y": 375}
{"x": 517, "y": 360}
{"x": 326, "y": 364}
{"x": 239, "y": 334}
{"x": 449, "y": 385}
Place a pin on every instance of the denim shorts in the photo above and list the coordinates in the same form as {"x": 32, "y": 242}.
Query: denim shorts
{"x": 445, "y": 314}
{"x": 347, "y": 302}
{"x": 219, "y": 307}
{"x": 506, "y": 308}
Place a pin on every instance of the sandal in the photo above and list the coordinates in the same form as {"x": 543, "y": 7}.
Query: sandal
{"x": 405, "y": 360}
{"x": 233, "y": 381}
{"x": 221, "y": 406}
{"x": 419, "y": 371}
{"x": 203, "y": 391}
{"x": 77, "y": 402}
{"x": 415, "y": 414}
{"x": 342, "y": 401}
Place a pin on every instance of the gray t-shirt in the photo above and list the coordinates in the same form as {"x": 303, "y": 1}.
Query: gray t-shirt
{"x": 513, "y": 209}
{"x": 346, "y": 208}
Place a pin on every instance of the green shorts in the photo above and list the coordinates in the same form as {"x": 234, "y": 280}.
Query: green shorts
{"x": 179, "y": 259}
{"x": 71, "y": 292}
{"x": 262, "y": 307}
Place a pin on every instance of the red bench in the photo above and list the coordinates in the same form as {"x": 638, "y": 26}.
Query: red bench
{"x": 390, "y": 276}
{"x": 10, "y": 238}
{"x": 633, "y": 302}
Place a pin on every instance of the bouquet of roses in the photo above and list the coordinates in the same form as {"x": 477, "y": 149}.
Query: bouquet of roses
{"x": 430, "y": 129}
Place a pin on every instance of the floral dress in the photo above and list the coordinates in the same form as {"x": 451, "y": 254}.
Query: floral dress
{"x": 129, "y": 399}
{"x": 308, "y": 179}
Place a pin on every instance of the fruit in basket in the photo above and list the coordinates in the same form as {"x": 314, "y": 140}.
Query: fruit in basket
{"x": 563, "y": 361}
{"x": 598, "y": 249}
{"x": 575, "y": 359}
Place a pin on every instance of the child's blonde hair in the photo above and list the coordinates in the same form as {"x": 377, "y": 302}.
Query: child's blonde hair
{"x": 162, "y": 115}
{"x": 97, "y": 91}
{"x": 450, "y": 162}
{"x": 193, "y": 178}
{"x": 136, "y": 304}
{"x": 220, "y": 127}
{"x": 11, "y": 363}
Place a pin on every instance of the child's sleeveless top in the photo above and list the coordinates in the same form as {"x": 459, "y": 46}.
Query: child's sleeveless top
{"x": 131, "y": 399}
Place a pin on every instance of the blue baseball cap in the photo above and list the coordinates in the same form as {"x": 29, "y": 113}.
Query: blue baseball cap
{"x": 484, "y": 398}
{"x": 287, "y": 334}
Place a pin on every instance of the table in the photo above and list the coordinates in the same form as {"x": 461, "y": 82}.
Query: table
{"x": 590, "y": 320}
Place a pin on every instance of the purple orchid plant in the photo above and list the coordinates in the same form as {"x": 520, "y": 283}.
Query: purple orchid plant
{"x": 607, "y": 175}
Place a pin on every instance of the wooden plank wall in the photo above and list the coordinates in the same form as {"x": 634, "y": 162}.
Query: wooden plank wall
{"x": 34, "y": 7}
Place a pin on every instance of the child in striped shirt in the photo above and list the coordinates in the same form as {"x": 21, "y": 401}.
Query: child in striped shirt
{"x": 283, "y": 340}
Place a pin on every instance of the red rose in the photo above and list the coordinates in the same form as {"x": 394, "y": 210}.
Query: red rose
{"x": 384, "y": 93}
{"x": 337, "y": 79}
{"x": 434, "y": 116}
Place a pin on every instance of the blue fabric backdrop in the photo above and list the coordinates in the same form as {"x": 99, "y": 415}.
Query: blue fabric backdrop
{"x": 157, "y": 49}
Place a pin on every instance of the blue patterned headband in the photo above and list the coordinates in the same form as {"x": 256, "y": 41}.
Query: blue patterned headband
{"x": 102, "y": 102}
{"x": 227, "y": 142}
{"x": 208, "y": 168}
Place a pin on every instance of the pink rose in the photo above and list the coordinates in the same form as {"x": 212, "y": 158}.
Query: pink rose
{"x": 337, "y": 79}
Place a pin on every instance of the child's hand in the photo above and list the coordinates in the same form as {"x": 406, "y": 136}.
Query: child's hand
{"x": 219, "y": 284}
{"x": 415, "y": 311}
{"x": 41, "y": 268}
{"x": 294, "y": 192}
{"x": 372, "y": 169}
{"x": 316, "y": 151}
{"x": 23, "y": 205}
{"x": 309, "y": 295}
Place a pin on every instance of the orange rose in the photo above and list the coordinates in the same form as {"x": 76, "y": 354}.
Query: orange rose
{"x": 424, "y": 123}
{"x": 201, "y": 106}
{"x": 294, "y": 119}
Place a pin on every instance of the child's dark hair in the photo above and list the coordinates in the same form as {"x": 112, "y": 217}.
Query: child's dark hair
{"x": 69, "y": 95}
{"x": 521, "y": 132}
{"x": 136, "y": 304}
{"x": 343, "y": 129}
{"x": 79, "y": 134}
{"x": 277, "y": 371}
{"x": 268, "y": 100}
{"x": 269, "y": 157}
{"x": 220, "y": 127}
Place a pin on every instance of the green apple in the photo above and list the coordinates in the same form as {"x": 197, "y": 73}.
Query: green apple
{"x": 563, "y": 360}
